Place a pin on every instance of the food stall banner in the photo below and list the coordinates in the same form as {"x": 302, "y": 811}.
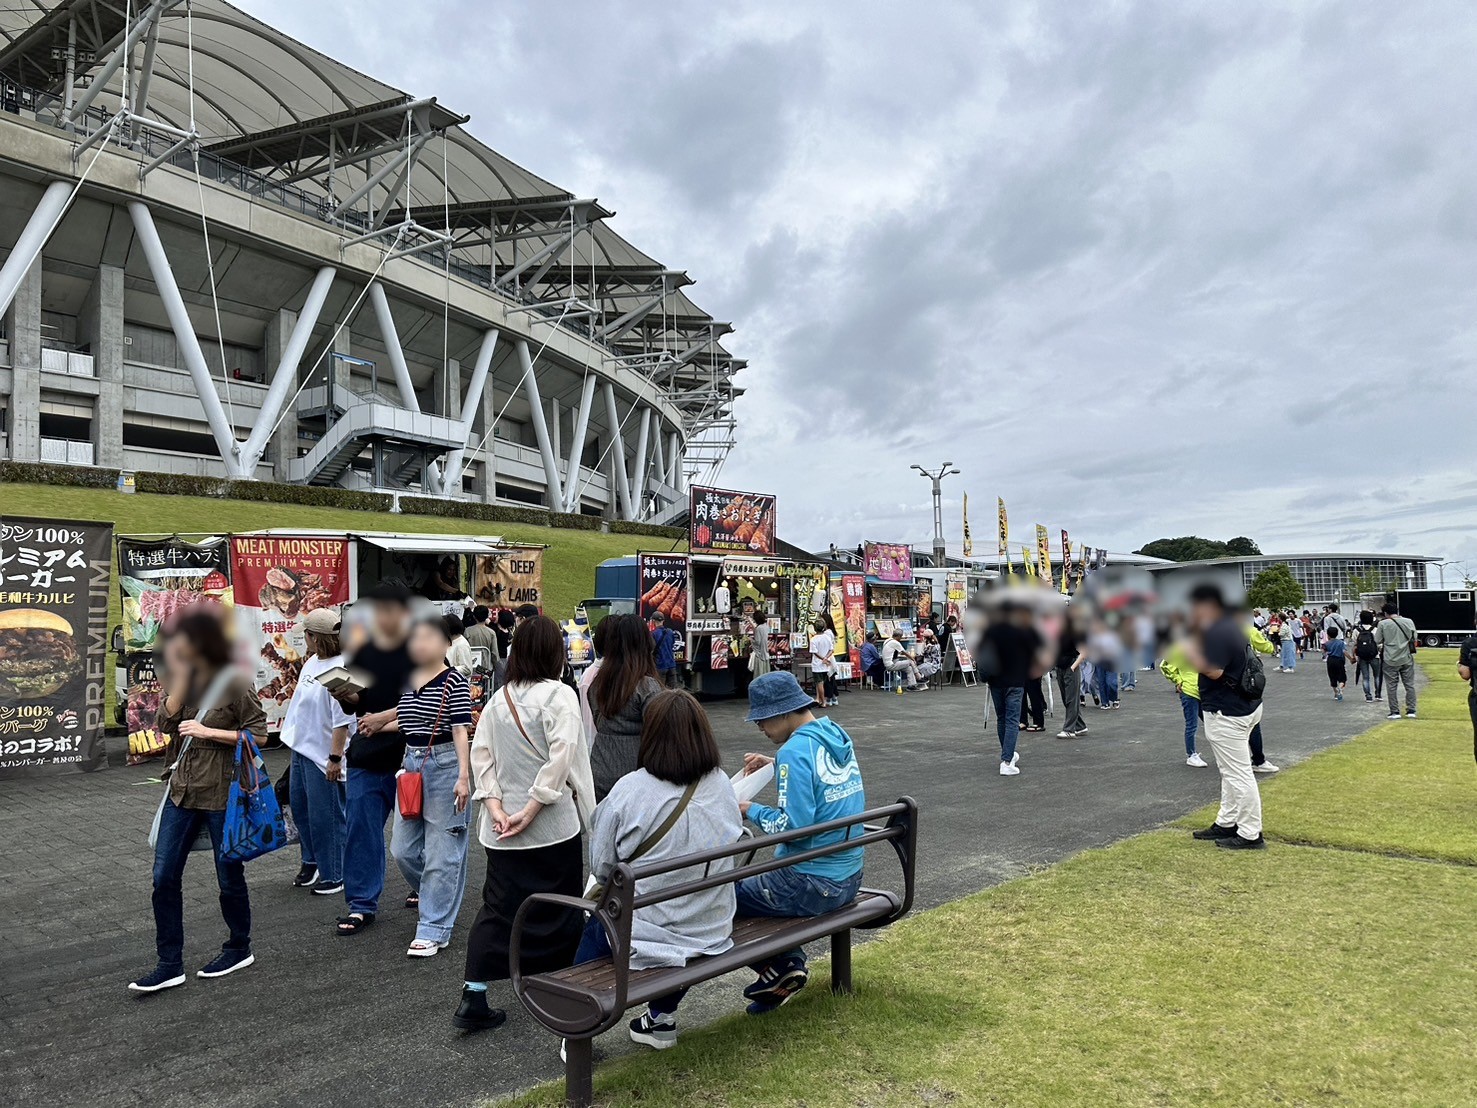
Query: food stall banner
{"x": 854, "y": 616}
{"x": 278, "y": 580}
{"x": 888, "y": 561}
{"x": 956, "y": 590}
{"x": 157, "y": 577}
{"x": 1066, "y": 563}
{"x": 749, "y": 567}
{"x": 1028, "y": 564}
{"x": 144, "y": 742}
{"x": 1002, "y": 527}
{"x": 1043, "y": 554}
{"x": 54, "y": 581}
{"x": 663, "y": 580}
{"x": 968, "y": 542}
{"x": 510, "y": 577}
{"x": 721, "y": 522}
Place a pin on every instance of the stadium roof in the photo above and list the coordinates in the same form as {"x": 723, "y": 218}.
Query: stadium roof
{"x": 1338, "y": 555}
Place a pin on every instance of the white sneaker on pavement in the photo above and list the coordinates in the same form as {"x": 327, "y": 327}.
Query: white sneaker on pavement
{"x": 1195, "y": 760}
{"x": 1008, "y": 769}
{"x": 1265, "y": 767}
{"x": 1015, "y": 758}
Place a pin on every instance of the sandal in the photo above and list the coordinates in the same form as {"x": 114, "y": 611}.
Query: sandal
{"x": 354, "y": 923}
{"x": 413, "y": 900}
{"x": 424, "y": 948}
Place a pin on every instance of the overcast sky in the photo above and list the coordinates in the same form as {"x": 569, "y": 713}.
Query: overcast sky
{"x": 1142, "y": 269}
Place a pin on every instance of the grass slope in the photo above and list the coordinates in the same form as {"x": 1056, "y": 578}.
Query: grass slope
{"x": 1155, "y": 972}
{"x": 1405, "y": 787}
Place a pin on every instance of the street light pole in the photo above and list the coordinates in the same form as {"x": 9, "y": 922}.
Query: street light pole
{"x": 938, "y": 509}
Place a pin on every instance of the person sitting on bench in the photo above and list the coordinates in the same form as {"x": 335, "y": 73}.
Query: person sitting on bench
{"x": 678, "y": 801}
{"x": 872, "y": 659}
{"x": 817, "y": 779}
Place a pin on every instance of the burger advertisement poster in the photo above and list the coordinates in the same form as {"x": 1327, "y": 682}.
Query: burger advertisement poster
{"x": 55, "y": 577}
{"x": 724, "y": 522}
{"x": 278, "y": 580}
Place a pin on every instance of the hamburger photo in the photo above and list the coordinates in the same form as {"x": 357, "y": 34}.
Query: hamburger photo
{"x": 38, "y": 652}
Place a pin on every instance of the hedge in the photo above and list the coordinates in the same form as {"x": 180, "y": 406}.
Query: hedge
{"x": 45, "y": 473}
{"x": 621, "y": 527}
{"x": 221, "y": 488}
{"x": 498, "y": 513}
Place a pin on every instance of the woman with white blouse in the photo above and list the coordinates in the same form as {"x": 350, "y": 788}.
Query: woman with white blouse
{"x": 531, "y": 772}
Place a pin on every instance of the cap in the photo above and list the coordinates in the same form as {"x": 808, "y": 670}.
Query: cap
{"x": 776, "y": 694}
{"x": 322, "y": 621}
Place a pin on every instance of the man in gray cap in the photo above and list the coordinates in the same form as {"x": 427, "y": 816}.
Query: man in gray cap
{"x": 816, "y": 779}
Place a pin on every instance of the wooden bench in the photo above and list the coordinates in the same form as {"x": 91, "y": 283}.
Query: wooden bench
{"x": 586, "y": 1000}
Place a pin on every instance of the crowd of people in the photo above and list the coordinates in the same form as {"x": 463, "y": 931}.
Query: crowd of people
{"x": 551, "y": 775}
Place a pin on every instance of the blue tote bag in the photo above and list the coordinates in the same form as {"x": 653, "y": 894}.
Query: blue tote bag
{"x": 254, "y": 823}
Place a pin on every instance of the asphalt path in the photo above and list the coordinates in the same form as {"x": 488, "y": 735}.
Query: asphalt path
{"x": 324, "y": 1021}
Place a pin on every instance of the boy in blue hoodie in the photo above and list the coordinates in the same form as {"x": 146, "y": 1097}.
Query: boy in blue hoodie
{"x": 817, "y": 779}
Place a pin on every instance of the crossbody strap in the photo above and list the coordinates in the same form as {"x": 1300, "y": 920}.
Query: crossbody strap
{"x": 208, "y": 703}
{"x": 650, "y": 842}
{"x": 517, "y": 719}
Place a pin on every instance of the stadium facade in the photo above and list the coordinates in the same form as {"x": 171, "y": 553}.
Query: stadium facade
{"x": 227, "y": 254}
{"x": 1326, "y": 578}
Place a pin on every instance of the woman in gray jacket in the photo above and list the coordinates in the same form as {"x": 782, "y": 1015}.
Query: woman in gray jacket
{"x": 678, "y": 801}
{"x": 619, "y": 694}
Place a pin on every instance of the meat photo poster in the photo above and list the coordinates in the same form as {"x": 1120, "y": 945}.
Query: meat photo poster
{"x": 278, "y": 580}
{"x": 55, "y": 577}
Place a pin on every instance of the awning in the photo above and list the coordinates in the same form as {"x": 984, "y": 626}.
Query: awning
{"x": 433, "y": 544}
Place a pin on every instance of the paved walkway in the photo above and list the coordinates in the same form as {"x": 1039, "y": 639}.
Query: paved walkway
{"x": 321, "y": 1021}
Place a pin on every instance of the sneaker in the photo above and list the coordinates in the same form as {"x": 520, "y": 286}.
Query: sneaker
{"x": 1393, "y": 715}
{"x": 424, "y": 948}
{"x": 1214, "y": 831}
{"x": 1236, "y": 842}
{"x": 659, "y": 1034}
{"x": 1195, "y": 760}
{"x": 474, "y": 1014}
{"x": 1015, "y": 759}
{"x": 1368, "y": 699}
{"x": 1410, "y": 715}
{"x": 1081, "y": 731}
{"x": 305, "y": 877}
{"x": 1265, "y": 767}
{"x": 1007, "y": 769}
{"x": 227, "y": 961}
{"x": 157, "y": 980}
{"x": 327, "y": 888}
{"x": 1066, "y": 734}
{"x": 778, "y": 982}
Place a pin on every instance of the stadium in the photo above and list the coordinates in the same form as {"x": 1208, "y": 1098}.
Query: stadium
{"x": 229, "y": 255}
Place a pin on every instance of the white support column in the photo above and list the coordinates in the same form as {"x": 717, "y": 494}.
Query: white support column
{"x": 618, "y": 453}
{"x": 553, "y": 490}
{"x": 574, "y": 471}
{"x": 391, "y": 339}
{"x": 556, "y": 430}
{"x": 674, "y": 462}
{"x": 643, "y": 460}
{"x": 285, "y": 376}
{"x": 455, "y": 461}
{"x": 658, "y": 450}
{"x": 32, "y": 239}
{"x": 184, "y": 334}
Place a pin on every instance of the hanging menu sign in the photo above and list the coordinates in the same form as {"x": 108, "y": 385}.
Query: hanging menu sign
{"x": 723, "y": 522}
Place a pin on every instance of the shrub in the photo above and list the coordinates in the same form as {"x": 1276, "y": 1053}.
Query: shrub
{"x": 315, "y": 496}
{"x": 621, "y": 527}
{"x": 47, "y": 473}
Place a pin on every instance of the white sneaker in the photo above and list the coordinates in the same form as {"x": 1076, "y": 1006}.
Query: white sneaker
{"x": 1066, "y": 734}
{"x": 1410, "y": 715}
{"x": 1393, "y": 715}
{"x": 1265, "y": 767}
{"x": 1196, "y": 761}
{"x": 1015, "y": 758}
{"x": 1009, "y": 769}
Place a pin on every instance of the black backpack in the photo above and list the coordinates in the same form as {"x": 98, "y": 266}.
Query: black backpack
{"x": 1365, "y": 648}
{"x": 1253, "y": 677}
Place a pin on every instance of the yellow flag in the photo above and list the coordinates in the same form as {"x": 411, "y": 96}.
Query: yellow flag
{"x": 1003, "y": 528}
{"x": 1043, "y": 554}
{"x": 968, "y": 542}
{"x": 1027, "y": 563}
{"x": 1066, "y": 563}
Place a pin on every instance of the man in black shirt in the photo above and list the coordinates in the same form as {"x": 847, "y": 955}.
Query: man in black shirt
{"x": 1069, "y": 658}
{"x": 1219, "y": 654}
{"x": 1012, "y": 645}
{"x": 374, "y": 755}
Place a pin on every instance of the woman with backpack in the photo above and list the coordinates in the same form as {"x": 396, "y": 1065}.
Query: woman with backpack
{"x": 1366, "y": 654}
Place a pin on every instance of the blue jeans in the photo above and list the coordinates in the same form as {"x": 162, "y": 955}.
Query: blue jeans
{"x": 1128, "y": 679}
{"x": 432, "y": 851}
{"x": 1107, "y": 685}
{"x": 177, "y": 830}
{"x": 1007, "y": 718}
{"x": 1289, "y": 655}
{"x": 318, "y": 809}
{"x": 786, "y": 894}
{"x": 370, "y": 799}
{"x": 1191, "y": 707}
{"x": 595, "y": 944}
{"x": 1364, "y": 676}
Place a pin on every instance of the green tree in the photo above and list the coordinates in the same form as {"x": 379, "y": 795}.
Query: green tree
{"x": 1368, "y": 581}
{"x": 1275, "y": 587}
{"x": 1242, "y": 546}
{"x": 1186, "y": 548}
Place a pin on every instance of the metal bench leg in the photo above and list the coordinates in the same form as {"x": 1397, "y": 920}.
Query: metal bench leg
{"x": 579, "y": 1073}
{"x": 841, "y": 963}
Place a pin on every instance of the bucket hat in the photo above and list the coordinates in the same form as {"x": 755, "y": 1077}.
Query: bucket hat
{"x": 776, "y": 694}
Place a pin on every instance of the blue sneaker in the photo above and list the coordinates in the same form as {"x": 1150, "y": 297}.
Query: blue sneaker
{"x": 227, "y": 961}
{"x": 778, "y": 982}
{"x": 158, "y": 980}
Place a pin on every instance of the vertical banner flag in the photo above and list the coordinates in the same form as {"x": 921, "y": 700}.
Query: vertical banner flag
{"x": 854, "y": 621}
{"x": 1028, "y": 567}
{"x": 837, "y": 593}
{"x": 1082, "y": 563}
{"x": 1043, "y": 554}
{"x": 55, "y": 576}
{"x": 968, "y": 542}
{"x": 1002, "y": 527}
{"x": 1066, "y": 562}
{"x": 663, "y": 583}
{"x": 957, "y": 585}
{"x": 278, "y": 580}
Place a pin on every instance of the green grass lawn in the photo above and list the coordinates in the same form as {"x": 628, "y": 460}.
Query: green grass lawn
{"x": 1404, "y": 787}
{"x": 1156, "y": 972}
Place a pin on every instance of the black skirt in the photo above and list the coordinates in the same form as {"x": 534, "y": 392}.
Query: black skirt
{"x": 550, "y": 935}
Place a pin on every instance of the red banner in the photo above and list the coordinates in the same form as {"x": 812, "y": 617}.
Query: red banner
{"x": 278, "y": 580}
{"x": 854, "y": 604}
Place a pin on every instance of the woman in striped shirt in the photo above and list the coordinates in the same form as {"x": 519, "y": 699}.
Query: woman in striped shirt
{"x": 434, "y": 715}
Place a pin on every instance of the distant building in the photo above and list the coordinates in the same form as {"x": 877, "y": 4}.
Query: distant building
{"x": 1325, "y": 577}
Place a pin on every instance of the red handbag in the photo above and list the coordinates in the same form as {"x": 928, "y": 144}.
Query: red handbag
{"x": 410, "y": 792}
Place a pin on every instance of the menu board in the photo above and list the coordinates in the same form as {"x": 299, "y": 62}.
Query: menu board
{"x": 888, "y": 561}
{"x": 510, "y": 578}
{"x": 54, "y": 581}
{"x": 724, "y": 522}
